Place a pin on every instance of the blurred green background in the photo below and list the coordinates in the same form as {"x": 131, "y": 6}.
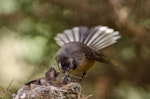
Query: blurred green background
{"x": 27, "y": 47}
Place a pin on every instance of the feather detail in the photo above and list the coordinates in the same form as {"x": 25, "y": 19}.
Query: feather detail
{"x": 97, "y": 37}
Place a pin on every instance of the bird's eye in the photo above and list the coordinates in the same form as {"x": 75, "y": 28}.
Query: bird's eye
{"x": 63, "y": 65}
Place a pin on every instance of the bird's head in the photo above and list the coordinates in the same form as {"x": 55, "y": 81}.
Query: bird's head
{"x": 65, "y": 62}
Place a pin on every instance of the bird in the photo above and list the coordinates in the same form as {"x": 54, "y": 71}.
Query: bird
{"x": 79, "y": 48}
{"x": 50, "y": 78}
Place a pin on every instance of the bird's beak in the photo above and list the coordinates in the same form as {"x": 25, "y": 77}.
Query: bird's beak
{"x": 60, "y": 67}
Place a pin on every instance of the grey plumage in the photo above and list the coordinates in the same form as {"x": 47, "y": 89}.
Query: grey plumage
{"x": 97, "y": 37}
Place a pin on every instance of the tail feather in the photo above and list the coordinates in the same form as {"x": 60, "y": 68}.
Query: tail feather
{"x": 90, "y": 35}
{"x": 61, "y": 39}
{"x": 97, "y": 37}
{"x": 106, "y": 39}
{"x": 83, "y": 32}
{"x": 70, "y": 35}
{"x": 76, "y": 34}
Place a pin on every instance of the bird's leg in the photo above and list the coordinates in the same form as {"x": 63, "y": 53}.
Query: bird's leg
{"x": 83, "y": 75}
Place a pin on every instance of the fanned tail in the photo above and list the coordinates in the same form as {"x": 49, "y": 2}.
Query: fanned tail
{"x": 97, "y": 37}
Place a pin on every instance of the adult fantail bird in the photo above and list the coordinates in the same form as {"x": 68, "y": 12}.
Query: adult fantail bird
{"x": 80, "y": 45}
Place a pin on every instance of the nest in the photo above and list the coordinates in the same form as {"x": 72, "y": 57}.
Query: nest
{"x": 49, "y": 87}
{"x": 69, "y": 91}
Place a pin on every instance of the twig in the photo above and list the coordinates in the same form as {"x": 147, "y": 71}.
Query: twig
{"x": 6, "y": 90}
{"x": 10, "y": 83}
{"x": 87, "y": 96}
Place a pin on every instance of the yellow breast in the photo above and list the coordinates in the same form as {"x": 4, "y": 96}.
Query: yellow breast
{"x": 84, "y": 66}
